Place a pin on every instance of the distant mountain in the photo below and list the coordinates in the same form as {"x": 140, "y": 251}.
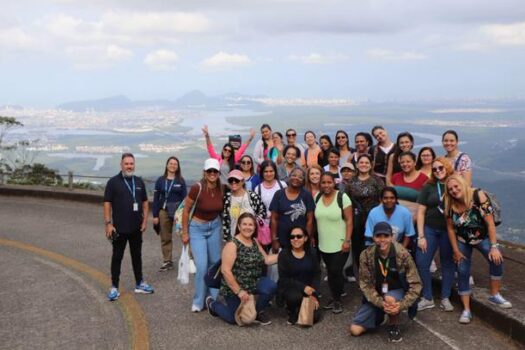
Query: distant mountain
{"x": 105, "y": 104}
{"x": 193, "y": 99}
{"x": 14, "y": 107}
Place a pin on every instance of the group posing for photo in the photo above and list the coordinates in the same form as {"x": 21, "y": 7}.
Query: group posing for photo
{"x": 267, "y": 222}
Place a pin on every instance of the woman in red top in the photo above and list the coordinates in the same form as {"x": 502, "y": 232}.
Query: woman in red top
{"x": 202, "y": 230}
{"x": 409, "y": 176}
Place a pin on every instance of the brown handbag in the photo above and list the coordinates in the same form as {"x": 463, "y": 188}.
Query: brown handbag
{"x": 306, "y": 313}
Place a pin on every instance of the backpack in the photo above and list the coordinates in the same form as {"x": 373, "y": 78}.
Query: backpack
{"x": 259, "y": 187}
{"x": 494, "y": 203}
{"x": 339, "y": 202}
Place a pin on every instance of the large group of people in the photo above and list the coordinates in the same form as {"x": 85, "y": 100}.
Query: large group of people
{"x": 378, "y": 208}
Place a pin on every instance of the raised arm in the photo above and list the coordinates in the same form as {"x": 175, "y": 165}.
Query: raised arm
{"x": 209, "y": 144}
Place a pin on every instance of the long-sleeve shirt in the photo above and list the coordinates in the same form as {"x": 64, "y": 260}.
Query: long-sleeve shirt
{"x": 177, "y": 192}
{"x": 298, "y": 273}
{"x": 405, "y": 267}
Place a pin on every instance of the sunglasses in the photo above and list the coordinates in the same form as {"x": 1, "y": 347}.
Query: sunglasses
{"x": 438, "y": 169}
{"x": 292, "y": 237}
{"x": 246, "y": 162}
{"x": 233, "y": 180}
{"x": 227, "y": 150}
{"x": 291, "y": 135}
{"x": 212, "y": 171}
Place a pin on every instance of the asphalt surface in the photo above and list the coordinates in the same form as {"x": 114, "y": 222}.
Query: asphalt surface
{"x": 48, "y": 303}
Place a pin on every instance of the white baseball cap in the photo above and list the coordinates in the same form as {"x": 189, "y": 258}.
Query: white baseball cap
{"x": 211, "y": 163}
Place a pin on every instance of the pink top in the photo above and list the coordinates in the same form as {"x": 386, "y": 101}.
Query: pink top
{"x": 237, "y": 154}
{"x": 417, "y": 184}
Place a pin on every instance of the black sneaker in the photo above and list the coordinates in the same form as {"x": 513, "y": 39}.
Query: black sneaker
{"x": 338, "y": 307}
{"x": 168, "y": 265}
{"x": 394, "y": 335}
{"x": 330, "y": 305}
{"x": 292, "y": 319}
{"x": 263, "y": 319}
{"x": 208, "y": 302}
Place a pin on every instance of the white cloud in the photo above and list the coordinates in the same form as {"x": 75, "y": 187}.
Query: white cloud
{"x": 316, "y": 58}
{"x": 223, "y": 60}
{"x": 126, "y": 28}
{"x": 161, "y": 60}
{"x": 390, "y": 55}
{"x": 155, "y": 22}
{"x": 506, "y": 34}
{"x": 97, "y": 57}
{"x": 16, "y": 38}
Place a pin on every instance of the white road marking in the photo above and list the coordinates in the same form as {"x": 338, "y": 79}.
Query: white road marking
{"x": 451, "y": 343}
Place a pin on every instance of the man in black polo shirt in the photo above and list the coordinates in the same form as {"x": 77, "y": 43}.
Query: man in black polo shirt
{"x": 125, "y": 217}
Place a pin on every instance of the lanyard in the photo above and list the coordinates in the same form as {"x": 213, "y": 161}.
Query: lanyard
{"x": 131, "y": 189}
{"x": 439, "y": 190}
{"x": 384, "y": 269}
{"x": 166, "y": 190}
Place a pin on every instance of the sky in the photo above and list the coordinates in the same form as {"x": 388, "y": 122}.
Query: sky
{"x": 55, "y": 51}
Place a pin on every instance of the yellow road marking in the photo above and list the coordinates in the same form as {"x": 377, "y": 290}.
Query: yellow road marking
{"x": 135, "y": 318}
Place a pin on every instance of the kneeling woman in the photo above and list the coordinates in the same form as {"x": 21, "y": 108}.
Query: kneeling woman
{"x": 242, "y": 266}
{"x": 299, "y": 274}
{"x": 470, "y": 224}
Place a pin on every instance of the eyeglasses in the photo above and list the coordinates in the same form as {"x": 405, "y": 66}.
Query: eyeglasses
{"x": 246, "y": 162}
{"x": 340, "y": 137}
{"x": 292, "y": 237}
{"x": 227, "y": 150}
{"x": 233, "y": 180}
{"x": 438, "y": 169}
{"x": 291, "y": 135}
{"x": 212, "y": 171}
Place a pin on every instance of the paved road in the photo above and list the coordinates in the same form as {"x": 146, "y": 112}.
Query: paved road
{"x": 55, "y": 280}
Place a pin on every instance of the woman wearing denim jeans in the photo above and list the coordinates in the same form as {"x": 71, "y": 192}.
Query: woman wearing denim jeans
{"x": 243, "y": 259}
{"x": 470, "y": 224}
{"x": 203, "y": 229}
{"x": 432, "y": 234}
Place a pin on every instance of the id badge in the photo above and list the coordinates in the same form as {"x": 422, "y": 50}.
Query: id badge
{"x": 135, "y": 207}
{"x": 164, "y": 205}
{"x": 384, "y": 288}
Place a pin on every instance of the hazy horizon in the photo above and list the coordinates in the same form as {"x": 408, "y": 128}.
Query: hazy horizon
{"x": 55, "y": 51}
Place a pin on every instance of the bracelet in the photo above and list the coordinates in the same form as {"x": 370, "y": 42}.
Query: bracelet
{"x": 107, "y": 222}
{"x": 494, "y": 245}
{"x": 421, "y": 237}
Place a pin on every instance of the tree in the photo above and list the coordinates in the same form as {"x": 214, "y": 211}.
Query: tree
{"x": 36, "y": 174}
{"x": 6, "y": 124}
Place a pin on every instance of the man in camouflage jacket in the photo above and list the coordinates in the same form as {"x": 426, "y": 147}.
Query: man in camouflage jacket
{"x": 390, "y": 283}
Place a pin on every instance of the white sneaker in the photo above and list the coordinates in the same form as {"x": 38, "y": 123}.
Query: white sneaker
{"x": 195, "y": 308}
{"x": 465, "y": 317}
{"x": 446, "y": 305}
{"x": 425, "y": 304}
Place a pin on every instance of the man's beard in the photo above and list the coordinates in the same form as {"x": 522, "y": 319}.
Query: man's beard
{"x": 128, "y": 173}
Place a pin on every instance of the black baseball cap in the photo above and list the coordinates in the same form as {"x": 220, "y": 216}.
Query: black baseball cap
{"x": 383, "y": 228}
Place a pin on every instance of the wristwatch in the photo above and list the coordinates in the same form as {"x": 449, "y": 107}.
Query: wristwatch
{"x": 107, "y": 222}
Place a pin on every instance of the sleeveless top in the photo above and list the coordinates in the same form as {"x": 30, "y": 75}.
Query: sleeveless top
{"x": 247, "y": 268}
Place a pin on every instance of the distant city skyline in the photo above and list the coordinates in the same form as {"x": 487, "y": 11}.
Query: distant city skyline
{"x": 55, "y": 51}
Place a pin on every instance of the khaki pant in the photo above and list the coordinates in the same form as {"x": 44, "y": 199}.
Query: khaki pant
{"x": 166, "y": 233}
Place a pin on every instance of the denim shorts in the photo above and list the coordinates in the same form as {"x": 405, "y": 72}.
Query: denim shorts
{"x": 370, "y": 316}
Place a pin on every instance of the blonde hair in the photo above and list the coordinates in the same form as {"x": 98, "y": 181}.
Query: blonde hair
{"x": 451, "y": 203}
{"x": 448, "y": 169}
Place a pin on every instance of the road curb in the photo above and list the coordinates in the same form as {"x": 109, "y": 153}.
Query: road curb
{"x": 500, "y": 319}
